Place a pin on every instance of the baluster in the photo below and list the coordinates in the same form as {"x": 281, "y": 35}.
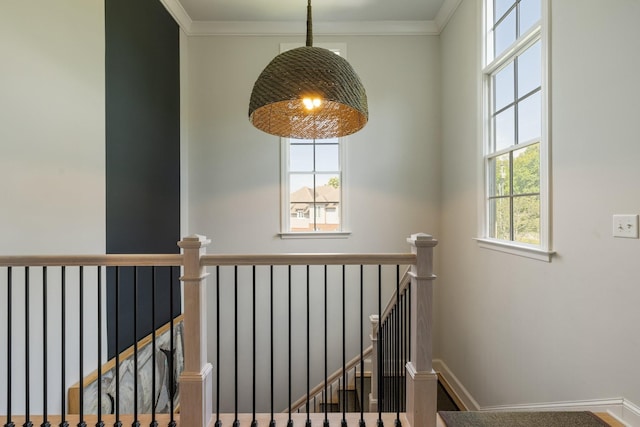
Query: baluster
{"x": 27, "y": 422}
{"x": 63, "y": 350}
{"x": 392, "y": 355}
{"x": 308, "y": 423}
{"x": 410, "y": 317}
{"x": 254, "y": 422}
{"x": 400, "y": 352}
{"x": 331, "y": 394}
{"x": 385, "y": 365}
{"x": 236, "y": 422}
{"x": 382, "y": 336}
{"x": 362, "y": 423}
{"x": 379, "y": 344}
{"x": 290, "y": 421}
{"x": 9, "y": 423}
{"x": 392, "y": 359}
{"x": 99, "y": 422}
{"x": 172, "y": 349}
{"x": 118, "y": 423}
{"x": 45, "y": 386}
{"x": 81, "y": 422}
{"x": 218, "y": 422}
{"x": 398, "y": 361}
{"x": 136, "y": 422}
{"x": 344, "y": 349}
{"x": 154, "y": 422}
{"x": 272, "y": 423}
{"x": 387, "y": 361}
{"x": 326, "y": 398}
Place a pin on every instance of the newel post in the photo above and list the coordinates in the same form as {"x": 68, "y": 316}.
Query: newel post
{"x": 196, "y": 381}
{"x": 422, "y": 380}
{"x": 373, "y": 396}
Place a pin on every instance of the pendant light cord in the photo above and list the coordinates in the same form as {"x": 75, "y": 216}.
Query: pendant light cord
{"x": 309, "y": 25}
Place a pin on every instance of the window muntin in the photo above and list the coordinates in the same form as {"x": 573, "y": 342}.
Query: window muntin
{"x": 515, "y": 150}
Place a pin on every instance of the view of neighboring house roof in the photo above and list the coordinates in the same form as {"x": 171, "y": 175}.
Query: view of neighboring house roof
{"x": 326, "y": 195}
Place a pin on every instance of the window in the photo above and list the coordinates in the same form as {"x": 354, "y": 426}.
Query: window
{"x": 312, "y": 185}
{"x": 515, "y": 127}
{"x": 313, "y": 180}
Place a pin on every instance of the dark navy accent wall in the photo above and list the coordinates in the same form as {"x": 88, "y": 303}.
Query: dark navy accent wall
{"x": 142, "y": 157}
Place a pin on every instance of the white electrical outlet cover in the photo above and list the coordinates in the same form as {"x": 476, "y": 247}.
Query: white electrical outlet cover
{"x": 625, "y": 226}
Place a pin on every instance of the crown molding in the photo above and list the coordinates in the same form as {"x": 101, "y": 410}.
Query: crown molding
{"x": 446, "y": 12}
{"x": 291, "y": 28}
{"x": 294, "y": 28}
{"x": 175, "y": 9}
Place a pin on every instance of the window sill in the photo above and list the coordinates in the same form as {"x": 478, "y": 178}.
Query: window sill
{"x": 516, "y": 249}
{"x": 316, "y": 235}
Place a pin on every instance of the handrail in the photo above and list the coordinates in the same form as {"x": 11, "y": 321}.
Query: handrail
{"x": 404, "y": 283}
{"x": 330, "y": 379}
{"x": 74, "y": 390}
{"x": 108, "y": 260}
{"x": 167, "y": 260}
{"x": 308, "y": 259}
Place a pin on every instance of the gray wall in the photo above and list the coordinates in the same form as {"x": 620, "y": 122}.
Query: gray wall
{"x": 519, "y": 331}
{"x": 52, "y": 162}
{"x": 392, "y": 165}
{"x": 234, "y": 181}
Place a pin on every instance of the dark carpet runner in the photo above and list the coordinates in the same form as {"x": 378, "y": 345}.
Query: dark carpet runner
{"x": 521, "y": 419}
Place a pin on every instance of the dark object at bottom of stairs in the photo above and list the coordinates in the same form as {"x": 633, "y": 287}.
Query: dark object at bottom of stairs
{"x": 445, "y": 401}
{"x": 521, "y": 419}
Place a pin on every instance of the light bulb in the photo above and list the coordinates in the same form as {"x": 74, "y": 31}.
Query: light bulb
{"x": 310, "y": 104}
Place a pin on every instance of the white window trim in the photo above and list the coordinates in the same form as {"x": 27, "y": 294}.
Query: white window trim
{"x": 284, "y": 179}
{"x": 543, "y": 251}
{"x": 285, "y": 199}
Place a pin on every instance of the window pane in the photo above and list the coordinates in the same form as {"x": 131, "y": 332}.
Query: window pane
{"x": 500, "y": 219}
{"x": 526, "y": 170}
{"x": 529, "y": 70}
{"x": 504, "y": 85}
{"x": 526, "y": 219}
{"x": 301, "y": 202}
{"x": 504, "y": 129}
{"x": 327, "y": 158}
{"x": 327, "y": 209}
{"x": 505, "y": 33}
{"x": 500, "y": 175}
{"x": 328, "y": 187}
{"x": 530, "y": 12}
{"x": 530, "y": 118}
{"x": 301, "y": 158}
{"x": 501, "y": 6}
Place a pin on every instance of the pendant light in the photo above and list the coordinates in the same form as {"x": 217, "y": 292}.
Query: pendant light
{"x": 308, "y": 93}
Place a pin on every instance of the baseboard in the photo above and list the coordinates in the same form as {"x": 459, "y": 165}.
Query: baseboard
{"x": 630, "y": 414}
{"x": 620, "y": 408}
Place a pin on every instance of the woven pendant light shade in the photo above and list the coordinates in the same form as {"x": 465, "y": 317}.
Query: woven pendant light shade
{"x": 282, "y": 101}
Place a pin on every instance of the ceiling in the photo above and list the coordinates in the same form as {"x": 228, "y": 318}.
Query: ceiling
{"x": 323, "y": 10}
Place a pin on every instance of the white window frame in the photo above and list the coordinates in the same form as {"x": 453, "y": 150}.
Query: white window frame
{"x": 285, "y": 207}
{"x": 490, "y": 66}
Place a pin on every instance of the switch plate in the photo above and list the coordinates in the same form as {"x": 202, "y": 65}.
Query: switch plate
{"x": 625, "y": 226}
